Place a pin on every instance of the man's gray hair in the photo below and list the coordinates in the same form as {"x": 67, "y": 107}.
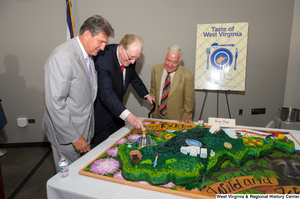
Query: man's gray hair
{"x": 175, "y": 49}
{"x": 97, "y": 24}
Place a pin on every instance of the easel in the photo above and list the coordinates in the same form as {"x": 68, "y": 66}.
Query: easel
{"x": 218, "y": 91}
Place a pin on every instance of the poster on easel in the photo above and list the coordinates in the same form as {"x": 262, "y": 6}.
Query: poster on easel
{"x": 221, "y": 56}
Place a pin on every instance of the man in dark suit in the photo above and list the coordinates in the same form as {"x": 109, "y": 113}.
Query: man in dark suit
{"x": 70, "y": 90}
{"x": 116, "y": 69}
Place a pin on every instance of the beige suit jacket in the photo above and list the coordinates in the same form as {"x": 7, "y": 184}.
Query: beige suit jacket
{"x": 181, "y": 97}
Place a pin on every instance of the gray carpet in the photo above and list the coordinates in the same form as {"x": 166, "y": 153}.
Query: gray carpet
{"x": 25, "y": 172}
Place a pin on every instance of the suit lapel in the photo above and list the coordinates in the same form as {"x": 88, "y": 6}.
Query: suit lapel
{"x": 94, "y": 74}
{"x": 117, "y": 70}
{"x": 176, "y": 80}
{"x": 82, "y": 64}
{"x": 158, "y": 79}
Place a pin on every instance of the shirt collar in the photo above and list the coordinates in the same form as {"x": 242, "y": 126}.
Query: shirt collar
{"x": 118, "y": 56}
{"x": 82, "y": 49}
{"x": 165, "y": 72}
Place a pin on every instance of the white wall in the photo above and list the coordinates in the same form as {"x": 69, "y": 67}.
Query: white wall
{"x": 29, "y": 32}
{"x": 292, "y": 88}
{"x": 31, "y": 29}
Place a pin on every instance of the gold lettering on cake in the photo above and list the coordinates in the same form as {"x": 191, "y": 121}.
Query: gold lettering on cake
{"x": 163, "y": 126}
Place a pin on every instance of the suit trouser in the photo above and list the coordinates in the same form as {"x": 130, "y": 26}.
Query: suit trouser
{"x": 68, "y": 151}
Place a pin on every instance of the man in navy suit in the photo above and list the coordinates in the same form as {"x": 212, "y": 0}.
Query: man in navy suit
{"x": 116, "y": 69}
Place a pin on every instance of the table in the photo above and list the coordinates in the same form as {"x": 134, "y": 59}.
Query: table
{"x": 84, "y": 187}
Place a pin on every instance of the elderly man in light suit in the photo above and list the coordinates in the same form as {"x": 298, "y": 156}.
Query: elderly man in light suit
{"x": 172, "y": 85}
{"x": 71, "y": 88}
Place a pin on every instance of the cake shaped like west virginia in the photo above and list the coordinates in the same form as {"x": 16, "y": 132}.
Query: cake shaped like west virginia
{"x": 179, "y": 168}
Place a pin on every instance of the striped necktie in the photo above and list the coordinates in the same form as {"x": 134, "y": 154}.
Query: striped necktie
{"x": 164, "y": 96}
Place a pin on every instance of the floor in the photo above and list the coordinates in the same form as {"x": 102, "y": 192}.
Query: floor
{"x": 25, "y": 172}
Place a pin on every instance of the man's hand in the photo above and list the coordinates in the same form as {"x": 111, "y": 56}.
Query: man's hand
{"x": 186, "y": 121}
{"x": 150, "y": 99}
{"x": 81, "y": 146}
{"x": 135, "y": 121}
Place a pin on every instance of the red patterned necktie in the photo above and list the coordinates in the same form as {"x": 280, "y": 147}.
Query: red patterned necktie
{"x": 164, "y": 97}
{"x": 122, "y": 68}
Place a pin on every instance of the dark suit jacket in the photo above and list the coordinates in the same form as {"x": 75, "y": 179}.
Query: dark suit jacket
{"x": 109, "y": 101}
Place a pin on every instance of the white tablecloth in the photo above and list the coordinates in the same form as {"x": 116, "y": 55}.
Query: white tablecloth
{"x": 84, "y": 187}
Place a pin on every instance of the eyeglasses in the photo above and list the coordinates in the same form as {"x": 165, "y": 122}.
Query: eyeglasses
{"x": 130, "y": 58}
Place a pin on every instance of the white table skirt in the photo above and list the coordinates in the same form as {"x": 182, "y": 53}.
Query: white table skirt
{"x": 84, "y": 187}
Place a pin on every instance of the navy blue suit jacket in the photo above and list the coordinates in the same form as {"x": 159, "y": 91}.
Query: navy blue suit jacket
{"x": 109, "y": 101}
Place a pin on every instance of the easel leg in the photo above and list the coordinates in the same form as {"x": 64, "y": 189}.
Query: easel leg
{"x": 218, "y": 104}
{"x": 203, "y": 105}
{"x": 206, "y": 92}
{"x": 227, "y": 104}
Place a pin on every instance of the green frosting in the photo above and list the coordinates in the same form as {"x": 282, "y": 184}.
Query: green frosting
{"x": 179, "y": 168}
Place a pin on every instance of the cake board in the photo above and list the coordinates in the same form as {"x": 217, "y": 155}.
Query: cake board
{"x": 230, "y": 178}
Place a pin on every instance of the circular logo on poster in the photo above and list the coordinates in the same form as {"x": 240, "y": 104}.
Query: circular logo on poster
{"x": 221, "y": 58}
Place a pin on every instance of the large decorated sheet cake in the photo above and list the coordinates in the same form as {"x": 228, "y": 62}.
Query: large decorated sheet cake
{"x": 198, "y": 161}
